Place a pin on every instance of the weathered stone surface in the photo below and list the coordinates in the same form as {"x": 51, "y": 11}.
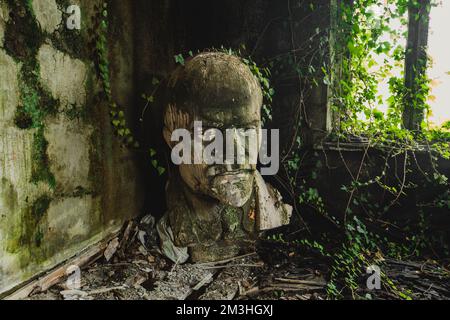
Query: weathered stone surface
{"x": 64, "y": 76}
{"x": 68, "y": 152}
{"x": 16, "y": 195}
{"x": 73, "y": 218}
{"x": 15, "y": 158}
{"x": 216, "y": 209}
{"x": 4, "y": 17}
{"x": 47, "y": 14}
{"x": 9, "y": 88}
{"x": 77, "y": 212}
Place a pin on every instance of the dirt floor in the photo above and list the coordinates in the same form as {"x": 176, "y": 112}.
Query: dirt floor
{"x": 133, "y": 269}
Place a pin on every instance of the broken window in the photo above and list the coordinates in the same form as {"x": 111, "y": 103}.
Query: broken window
{"x": 384, "y": 62}
{"x": 439, "y": 68}
{"x": 409, "y": 50}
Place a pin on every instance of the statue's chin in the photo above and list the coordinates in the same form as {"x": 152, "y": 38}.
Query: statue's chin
{"x": 233, "y": 189}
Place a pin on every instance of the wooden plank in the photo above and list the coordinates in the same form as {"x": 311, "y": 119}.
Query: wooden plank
{"x": 83, "y": 259}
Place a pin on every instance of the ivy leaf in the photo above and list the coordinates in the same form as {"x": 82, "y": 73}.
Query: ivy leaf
{"x": 161, "y": 170}
{"x": 179, "y": 59}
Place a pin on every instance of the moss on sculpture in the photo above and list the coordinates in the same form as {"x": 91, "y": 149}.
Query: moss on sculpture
{"x": 212, "y": 208}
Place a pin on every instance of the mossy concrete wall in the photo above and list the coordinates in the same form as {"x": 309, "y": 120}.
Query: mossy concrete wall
{"x": 65, "y": 180}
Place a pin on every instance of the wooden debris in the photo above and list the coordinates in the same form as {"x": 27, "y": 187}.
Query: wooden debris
{"x": 105, "y": 290}
{"x": 74, "y": 295}
{"x": 128, "y": 236}
{"x": 318, "y": 283}
{"x": 227, "y": 285}
{"x": 111, "y": 249}
{"x": 142, "y": 273}
{"x": 53, "y": 277}
{"x": 226, "y": 260}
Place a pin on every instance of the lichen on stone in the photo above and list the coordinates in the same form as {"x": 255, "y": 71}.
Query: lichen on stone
{"x": 47, "y": 14}
{"x": 64, "y": 77}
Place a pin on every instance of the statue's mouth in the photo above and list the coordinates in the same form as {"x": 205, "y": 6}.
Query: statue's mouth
{"x": 215, "y": 171}
{"x": 233, "y": 187}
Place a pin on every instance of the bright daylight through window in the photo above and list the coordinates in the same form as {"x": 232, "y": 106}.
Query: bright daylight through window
{"x": 439, "y": 71}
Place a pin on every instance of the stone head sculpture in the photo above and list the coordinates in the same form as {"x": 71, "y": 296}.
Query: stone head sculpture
{"x": 214, "y": 207}
{"x": 221, "y": 92}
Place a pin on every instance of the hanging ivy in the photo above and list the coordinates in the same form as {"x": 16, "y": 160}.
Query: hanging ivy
{"x": 101, "y": 54}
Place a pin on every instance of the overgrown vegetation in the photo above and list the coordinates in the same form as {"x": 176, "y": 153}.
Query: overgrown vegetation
{"x": 366, "y": 231}
{"x": 99, "y": 33}
{"x": 23, "y": 38}
{"x": 360, "y": 235}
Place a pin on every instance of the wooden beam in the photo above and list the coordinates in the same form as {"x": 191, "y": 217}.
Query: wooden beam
{"x": 81, "y": 260}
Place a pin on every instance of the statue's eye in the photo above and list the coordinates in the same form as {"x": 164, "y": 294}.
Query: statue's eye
{"x": 210, "y": 134}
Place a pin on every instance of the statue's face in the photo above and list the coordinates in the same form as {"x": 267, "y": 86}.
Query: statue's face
{"x": 221, "y": 92}
{"x": 230, "y": 183}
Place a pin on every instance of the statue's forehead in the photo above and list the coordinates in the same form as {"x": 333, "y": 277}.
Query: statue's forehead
{"x": 217, "y": 89}
{"x": 229, "y": 117}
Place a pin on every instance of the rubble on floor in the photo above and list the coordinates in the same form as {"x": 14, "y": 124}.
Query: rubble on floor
{"x": 132, "y": 268}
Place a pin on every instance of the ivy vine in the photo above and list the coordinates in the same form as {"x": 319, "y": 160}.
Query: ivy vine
{"x": 101, "y": 52}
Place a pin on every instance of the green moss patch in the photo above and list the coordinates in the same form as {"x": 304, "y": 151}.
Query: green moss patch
{"x": 40, "y": 166}
{"x": 32, "y": 233}
{"x": 23, "y": 37}
{"x": 40, "y": 207}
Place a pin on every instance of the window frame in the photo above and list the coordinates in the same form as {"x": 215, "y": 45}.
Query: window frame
{"x": 416, "y": 61}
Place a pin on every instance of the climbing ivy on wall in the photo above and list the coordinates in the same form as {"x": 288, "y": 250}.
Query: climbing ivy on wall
{"x": 23, "y": 38}
{"x": 117, "y": 113}
{"x": 101, "y": 52}
{"x": 359, "y": 238}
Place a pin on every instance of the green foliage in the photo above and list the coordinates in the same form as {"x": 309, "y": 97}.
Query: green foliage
{"x": 366, "y": 59}
{"x": 29, "y": 113}
{"x": 155, "y": 164}
{"x": 359, "y": 238}
{"x": 150, "y": 100}
{"x": 40, "y": 166}
{"x": 361, "y": 45}
{"x": 117, "y": 114}
{"x": 263, "y": 75}
{"x": 35, "y": 105}
{"x": 23, "y": 38}
{"x": 179, "y": 59}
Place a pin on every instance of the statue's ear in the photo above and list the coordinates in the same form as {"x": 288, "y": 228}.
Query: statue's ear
{"x": 167, "y": 137}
